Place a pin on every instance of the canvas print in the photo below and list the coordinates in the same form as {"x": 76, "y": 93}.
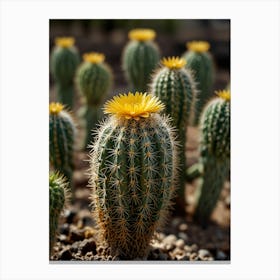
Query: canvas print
{"x": 139, "y": 140}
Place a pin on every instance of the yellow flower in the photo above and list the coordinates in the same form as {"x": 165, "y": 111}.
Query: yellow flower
{"x": 142, "y": 34}
{"x": 224, "y": 94}
{"x": 64, "y": 42}
{"x": 55, "y": 108}
{"x": 133, "y": 106}
{"x": 94, "y": 57}
{"x": 198, "y": 46}
{"x": 174, "y": 62}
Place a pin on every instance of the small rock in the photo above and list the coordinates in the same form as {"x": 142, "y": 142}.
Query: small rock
{"x": 76, "y": 235}
{"x": 187, "y": 248}
{"x": 176, "y": 222}
{"x": 221, "y": 255}
{"x": 69, "y": 215}
{"x": 170, "y": 247}
{"x": 65, "y": 254}
{"x": 194, "y": 248}
{"x": 64, "y": 229}
{"x": 88, "y": 245}
{"x": 204, "y": 254}
{"x": 183, "y": 236}
{"x": 183, "y": 227}
{"x": 180, "y": 243}
{"x": 170, "y": 239}
{"x": 193, "y": 257}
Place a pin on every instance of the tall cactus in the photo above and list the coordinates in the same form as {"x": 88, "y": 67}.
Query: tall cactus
{"x": 94, "y": 80}
{"x": 215, "y": 154}
{"x": 61, "y": 140}
{"x": 133, "y": 172}
{"x": 58, "y": 198}
{"x": 175, "y": 87}
{"x": 201, "y": 62}
{"x": 140, "y": 58}
{"x": 64, "y": 61}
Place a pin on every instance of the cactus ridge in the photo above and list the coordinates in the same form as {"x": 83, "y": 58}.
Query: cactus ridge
{"x": 139, "y": 61}
{"x": 132, "y": 175}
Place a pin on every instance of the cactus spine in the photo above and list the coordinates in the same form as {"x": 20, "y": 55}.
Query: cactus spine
{"x": 215, "y": 154}
{"x": 64, "y": 61}
{"x": 58, "y": 197}
{"x": 140, "y": 58}
{"x": 94, "y": 80}
{"x": 133, "y": 170}
{"x": 175, "y": 87}
{"x": 61, "y": 140}
{"x": 200, "y": 61}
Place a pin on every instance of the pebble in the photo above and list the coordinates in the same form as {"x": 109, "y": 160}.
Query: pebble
{"x": 64, "y": 229}
{"x": 170, "y": 239}
{"x": 88, "y": 245}
{"x": 193, "y": 257}
{"x": 204, "y": 254}
{"x": 221, "y": 255}
{"x": 183, "y": 227}
{"x": 65, "y": 254}
{"x": 180, "y": 243}
{"x": 183, "y": 236}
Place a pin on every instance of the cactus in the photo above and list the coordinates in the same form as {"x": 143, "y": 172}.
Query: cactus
{"x": 175, "y": 87}
{"x": 201, "y": 63}
{"x": 215, "y": 154}
{"x": 133, "y": 173}
{"x": 94, "y": 80}
{"x": 58, "y": 198}
{"x": 140, "y": 58}
{"x": 64, "y": 61}
{"x": 61, "y": 140}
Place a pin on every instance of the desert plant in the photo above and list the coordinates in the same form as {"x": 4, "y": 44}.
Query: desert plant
{"x": 175, "y": 87}
{"x": 215, "y": 154}
{"x": 133, "y": 172}
{"x": 201, "y": 63}
{"x": 94, "y": 80}
{"x": 64, "y": 61}
{"x": 140, "y": 58}
{"x": 61, "y": 140}
{"x": 58, "y": 198}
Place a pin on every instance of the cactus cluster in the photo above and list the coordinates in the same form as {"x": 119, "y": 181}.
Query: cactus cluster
{"x": 61, "y": 140}
{"x": 64, "y": 61}
{"x": 58, "y": 198}
{"x": 133, "y": 172}
{"x": 215, "y": 154}
{"x": 94, "y": 80}
{"x": 201, "y": 63}
{"x": 140, "y": 58}
{"x": 175, "y": 87}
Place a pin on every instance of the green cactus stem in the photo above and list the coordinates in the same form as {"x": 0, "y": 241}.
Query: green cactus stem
{"x": 201, "y": 63}
{"x": 94, "y": 80}
{"x": 133, "y": 172}
{"x": 140, "y": 57}
{"x": 215, "y": 154}
{"x": 64, "y": 61}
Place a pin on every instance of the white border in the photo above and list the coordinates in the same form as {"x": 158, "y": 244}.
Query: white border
{"x": 255, "y": 138}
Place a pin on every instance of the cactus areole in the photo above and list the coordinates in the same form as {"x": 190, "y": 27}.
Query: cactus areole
{"x": 132, "y": 173}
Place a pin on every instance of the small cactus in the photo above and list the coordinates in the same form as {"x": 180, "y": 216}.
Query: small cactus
{"x": 94, "y": 80}
{"x": 201, "y": 63}
{"x": 215, "y": 154}
{"x": 61, "y": 140}
{"x": 133, "y": 173}
{"x": 58, "y": 198}
{"x": 140, "y": 58}
{"x": 64, "y": 61}
{"x": 175, "y": 87}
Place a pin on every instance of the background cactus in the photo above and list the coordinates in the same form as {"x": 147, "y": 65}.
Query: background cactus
{"x": 175, "y": 87}
{"x": 58, "y": 197}
{"x": 61, "y": 140}
{"x": 64, "y": 61}
{"x": 94, "y": 80}
{"x": 200, "y": 61}
{"x": 132, "y": 173}
{"x": 215, "y": 154}
{"x": 140, "y": 58}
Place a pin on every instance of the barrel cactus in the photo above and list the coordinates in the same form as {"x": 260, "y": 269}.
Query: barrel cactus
{"x": 58, "y": 198}
{"x": 94, "y": 80}
{"x": 64, "y": 61}
{"x": 215, "y": 154}
{"x": 140, "y": 58}
{"x": 61, "y": 140}
{"x": 201, "y": 63}
{"x": 133, "y": 172}
{"x": 175, "y": 87}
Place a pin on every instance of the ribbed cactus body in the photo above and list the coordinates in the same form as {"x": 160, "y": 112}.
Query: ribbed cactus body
{"x": 132, "y": 174}
{"x": 215, "y": 155}
{"x": 94, "y": 81}
{"x": 57, "y": 200}
{"x": 202, "y": 65}
{"x": 139, "y": 61}
{"x": 61, "y": 142}
{"x": 176, "y": 89}
{"x": 63, "y": 64}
